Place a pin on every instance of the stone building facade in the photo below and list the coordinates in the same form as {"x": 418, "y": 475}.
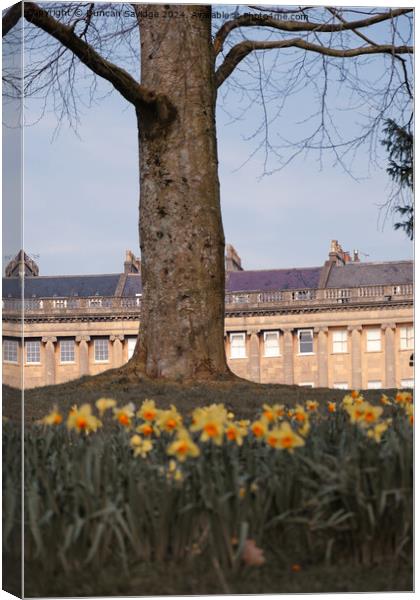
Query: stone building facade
{"x": 346, "y": 324}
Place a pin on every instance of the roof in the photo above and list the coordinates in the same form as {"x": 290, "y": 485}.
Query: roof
{"x": 132, "y": 285}
{"x": 65, "y": 286}
{"x": 276, "y": 279}
{"x": 375, "y": 273}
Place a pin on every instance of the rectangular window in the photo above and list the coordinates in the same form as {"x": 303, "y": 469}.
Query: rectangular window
{"x": 308, "y": 384}
{"x": 101, "y": 350}
{"x": 67, "y": 351}
{"x": 131, "y": 345}
{"x": 374, "y": 385}
{"x": 339, "y": 341}
{"x": 33, "y": 352}
{"x": 60, "y": 303}
{"x": 10, "y": 351}
{"x": 341, "y": 386}
{"x": 93, "y": 302}
{"x": 407, "y": 338}
{"x": 306, "y": 341}
{"x": 407, "y": 383}
{"x": 271, "y": 343}
{"x": 237, "y": 345}
{"x": 373, "y": 340}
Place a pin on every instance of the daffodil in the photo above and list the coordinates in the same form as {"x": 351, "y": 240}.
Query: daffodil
{"x": 371, "y": 414}
{"x": 377, "y": 431}
{"x": 104, "y": 404}
{"x": 235, "y": 432}
{"x": 124, "y": 414}
{"x": 259, "y": 428}
{"x": 147, "y": 411}
{"x": 140, "y": 446}
{"x": 355, "y": 412}
{"x": 403, "y": 398}
{"x": 183, "y": 446}
{"x": 299, "y": 414}
{"x": 53, "y": 418}
{"x": 385, "y": 400}
{"x": 312, "y": 405}
{"x": 211, "y": 422}
{"x": 409, "y": 411}
{"x": 168, "y": 420}
{"x": 284, "y": 438}
{"x": 146, "y": 429}
{"x": 332, "y": 407}
{"x": 82, "y": 420}
{"x": 347, "y": 400}
{"x": 269, "y": 413}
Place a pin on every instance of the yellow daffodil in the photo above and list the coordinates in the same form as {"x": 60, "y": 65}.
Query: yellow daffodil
{"x": 355, "y": 394}
{"x": 147, "y": 411}
{"x": 284, "y": 438}
{"x": 304, "y": 430}
{"x": 53, "y": 418}
{"x": 124, "y": 414}
{"x": 299, "y": 414}
{"x": 146, "y": 429}
{"x": 385, "y": 400}
{"x": 355, "y": 412}
{"x": 168, "y": 420}
{"x": 377, "y": 431}
{"x": 235, "y": 432}
{"x": 347, "y": 400}
{"x": 183, "y": 446}
{"x": 332, "y": 407}
{"x": 82, "y": 420}
{"x": 140, "y": 446}
{"x": 312, "y": 405}
{"x": 104, "y": 404}
{"x": 269, "y": 413}
{"x": 259, "y": 428}
{"x": 403, "y": 398}
{"x": 371, "y": 414}
{"x": 409, "y": 411}
{"x": 211, "y": 422}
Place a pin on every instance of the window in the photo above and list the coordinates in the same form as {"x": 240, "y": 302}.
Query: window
{"x": 407, "y": 383}
{"x": 60, "y": 303}
{"x": 237, "y": 345}
{"x": 373, "y": 340}
{"x": 67, "y": 351}
{"x": 95, "y": 302}
{"x": 306, "y": 341}
{"x": 131, "y": 345}
{"x": 33, "y": 352}
{"x": 101, "y": 350}
{"x": 271, "y": 343}
{"x": 339, "y": 341}
{"x": 308, "y": 384}
{"x": 374, "y": 385}
{"x": 407, "y": 338}
{"x": 10, "y": 351}
{"x": 341, "y": 386}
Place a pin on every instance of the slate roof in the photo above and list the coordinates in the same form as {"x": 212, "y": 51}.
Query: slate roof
{"x": 349, "y": 275}
{"x": 375, "y": 273}
{"x": 276, "y": 279}
{"x": 70, "y": 285}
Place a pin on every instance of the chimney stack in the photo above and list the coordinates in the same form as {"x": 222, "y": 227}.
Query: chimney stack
{"x": 232, "y": 259}
{"x": 132, "y": 264}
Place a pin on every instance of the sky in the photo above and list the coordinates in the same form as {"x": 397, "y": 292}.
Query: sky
{"x": 81, "y": 195}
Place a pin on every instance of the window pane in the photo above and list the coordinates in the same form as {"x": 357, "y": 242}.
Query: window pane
{"x": 407, "y": 338}
{"x": 237, "y": 345}
{"x": 373, "y": 337}
{"x": 10, "y": 351}
{"x": 340, "y": 341}
{"x": 341, "y": 386}
{"x": 67, "y": 350}
{"x": 101, "y": 350}
{"x": 33, "y": 352}
{"x": 271, "y": 343}
{"x": 131, "y": 345}
{"x": 305, "y": 342}
{"x": 407, "y": 383}
{"x": 374, "y": 385}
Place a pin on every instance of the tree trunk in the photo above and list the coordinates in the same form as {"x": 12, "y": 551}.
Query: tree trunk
{"x": 181, "y": 232}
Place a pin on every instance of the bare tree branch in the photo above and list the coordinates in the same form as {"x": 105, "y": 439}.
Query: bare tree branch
{"x": 258, "y": 20}
{"x": 241, "y": 51}
{"x": 155, "y": 104}
{"x": 11, "y": 18}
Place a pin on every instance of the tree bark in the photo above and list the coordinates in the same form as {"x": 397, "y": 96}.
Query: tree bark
{"x": 181, "y": 231}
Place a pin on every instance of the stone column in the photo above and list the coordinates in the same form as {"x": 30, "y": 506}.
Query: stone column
{"x": 49, "y": 359}
{"x": 288, "y": 358}
{"x": 254, "y": 355}
{"x": 389, "y": 329}
{"x": 356, "y": 356}
{"x": 117, "y": 350}
{"x": 322, "y": 356}
{"x": 83, "y": 341}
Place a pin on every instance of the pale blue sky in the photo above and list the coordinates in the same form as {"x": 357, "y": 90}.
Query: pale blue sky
{"x": 81, "y": 196}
